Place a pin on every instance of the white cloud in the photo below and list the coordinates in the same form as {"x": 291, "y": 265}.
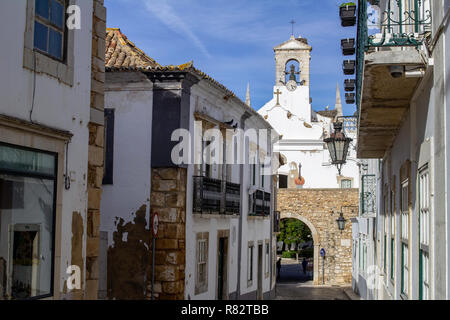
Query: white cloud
{"x": 165, "y": 13}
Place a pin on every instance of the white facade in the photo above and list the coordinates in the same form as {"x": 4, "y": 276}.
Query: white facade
{"x": 130, "y": 95}
{"x": 301, "y": 129}
{"x": 408, "y": 249}
{"x": 54, "y": 100}
{"x": 242, "y": 229}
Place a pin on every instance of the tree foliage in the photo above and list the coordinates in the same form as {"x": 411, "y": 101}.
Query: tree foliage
{"x": 293, "y": 231}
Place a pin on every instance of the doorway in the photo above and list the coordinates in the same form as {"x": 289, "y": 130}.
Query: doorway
{"x": 222, "y": 268}
{"x": 260, "y": 272}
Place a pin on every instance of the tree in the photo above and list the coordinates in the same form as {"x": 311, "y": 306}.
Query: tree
{"x": 293, "y": 231}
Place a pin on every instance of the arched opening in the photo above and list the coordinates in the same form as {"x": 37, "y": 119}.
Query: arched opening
{"x": 296, "y": 246}
{"x": 292, "y": 71}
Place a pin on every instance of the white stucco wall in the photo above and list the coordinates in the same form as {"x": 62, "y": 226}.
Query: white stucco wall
{"x": 55, "y": 105}
{"x": 133, "y": 105}
{"x": 208, "y": 100}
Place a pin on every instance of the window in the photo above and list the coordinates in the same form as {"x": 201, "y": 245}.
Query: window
{"x": 262, "y": 175}
{"x": 250, "y": 264}
{"x": 405, "y": 238}
{"x": 253, "y": 167}
{"x": 49, "y": 27}
{"x": 392, "y": 197}
{"x": 267, "y": 259}
{"x": 282, "y": 181}
{"x": 386, "y": 230}
{"x": 27, "y": 216}
{"x": 109, "y": 147}
{"x": 424, "y": 234}
{"x": 346, "y": 184}
{"x": 201, "y": 281}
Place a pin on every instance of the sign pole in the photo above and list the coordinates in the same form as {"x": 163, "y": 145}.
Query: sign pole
{"x": 322, "y": 253}
{"x": 155, "y": 222}
{"x": 153, "y": 266}
{"x": 323, "y": 270}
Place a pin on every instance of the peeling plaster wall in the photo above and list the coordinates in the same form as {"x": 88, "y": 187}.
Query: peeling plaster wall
{"x": 125, "y": 204}
{"x": 56, "y": 105}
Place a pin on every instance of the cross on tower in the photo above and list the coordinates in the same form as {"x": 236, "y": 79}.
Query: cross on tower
{"x": 278, "y": 96}
{"x": 292, "y": 22}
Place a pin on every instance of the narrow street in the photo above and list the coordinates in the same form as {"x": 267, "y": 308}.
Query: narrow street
{"x": 293, "y": 284}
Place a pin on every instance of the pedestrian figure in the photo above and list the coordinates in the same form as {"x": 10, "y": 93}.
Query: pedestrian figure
{"x": 304, "y": 265}
{"x": 278, "y": 268}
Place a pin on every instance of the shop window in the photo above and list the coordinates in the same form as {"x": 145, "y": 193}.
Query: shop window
{"x": 27, "y": 215}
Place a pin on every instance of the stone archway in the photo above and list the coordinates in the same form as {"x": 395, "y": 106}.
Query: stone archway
{"x": 316, "y": 241}
{"x": 319, "y": 209}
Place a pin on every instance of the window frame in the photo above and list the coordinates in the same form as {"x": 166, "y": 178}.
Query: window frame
{"x": 109, "y": 124}
{"x": 39, "y": 62}
{"x": 349, "y": 181}
{"x": 201, "y": 285}
{"x": 54, "y": 178}
{"x": 392, "y": 233}
{"x": 267, "y": 264}
{"x": 63, "y": 30}
{"x": 250, "y": 263}
{"x": 424, "y": 237}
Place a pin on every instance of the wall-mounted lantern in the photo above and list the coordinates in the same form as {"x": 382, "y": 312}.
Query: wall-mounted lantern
{"x": 341, "y": 222}
{"x": 338, "y": 145}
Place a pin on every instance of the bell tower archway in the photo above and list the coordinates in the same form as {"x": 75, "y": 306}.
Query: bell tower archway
{"x": 295, "y": 49}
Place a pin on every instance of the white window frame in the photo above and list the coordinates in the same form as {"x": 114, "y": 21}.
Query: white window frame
{"x": 201, "y": 280}
{"x": 405, "y": 236}
{"x": 250, "y": 263}
{"x": 424, "y": 234}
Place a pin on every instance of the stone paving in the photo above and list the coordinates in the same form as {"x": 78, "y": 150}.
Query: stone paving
{"x": 293, "y": 291}
{"x": 293, "y": 284}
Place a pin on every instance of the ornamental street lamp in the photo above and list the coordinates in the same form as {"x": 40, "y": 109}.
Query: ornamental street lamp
{"x": 338, "y": 145}
{"x": 341, "y": 222}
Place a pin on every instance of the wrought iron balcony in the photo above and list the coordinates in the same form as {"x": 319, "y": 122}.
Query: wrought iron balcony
{"x": 259, "y": 203}
{"x": 399, "y": 23}
{"x": 368, "y": 194}
{"x": 213, "y": 196}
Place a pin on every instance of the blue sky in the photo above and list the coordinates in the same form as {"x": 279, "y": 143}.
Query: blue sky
{"x": 233, "y": 40}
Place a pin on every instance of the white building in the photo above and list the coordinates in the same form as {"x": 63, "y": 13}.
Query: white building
{"x": 215, "y": 232}
{"x": 403, "y": 121}
{"x": 301, "y": 129}
{"x": 51, "y": 152}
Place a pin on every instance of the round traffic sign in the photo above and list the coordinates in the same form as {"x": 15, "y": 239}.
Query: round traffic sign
{"x": 322, "y": 252}
{"x": 155, "y": 223}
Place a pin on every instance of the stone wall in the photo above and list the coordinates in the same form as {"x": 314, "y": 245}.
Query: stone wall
{"x": 168, "y": 199}
{"x": 319, "y": 209}
{"x": 96, "y": 145}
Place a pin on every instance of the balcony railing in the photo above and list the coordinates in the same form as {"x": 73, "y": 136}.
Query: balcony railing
{"x": 259, "y": 203}
{"x": 399, "y": 23}
{"x": 213, "y": 196}
{"x": 368, "y": 194}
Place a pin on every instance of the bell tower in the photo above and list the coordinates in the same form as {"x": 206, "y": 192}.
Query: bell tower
{"x": 295, "y": 49}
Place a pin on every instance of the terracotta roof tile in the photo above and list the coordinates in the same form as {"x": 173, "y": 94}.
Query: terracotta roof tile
{"x": 122, "y": 53}
{"x": 328, "y": 113}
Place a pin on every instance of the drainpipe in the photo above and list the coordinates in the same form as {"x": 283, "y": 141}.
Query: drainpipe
{"x": 244, "y": 117}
